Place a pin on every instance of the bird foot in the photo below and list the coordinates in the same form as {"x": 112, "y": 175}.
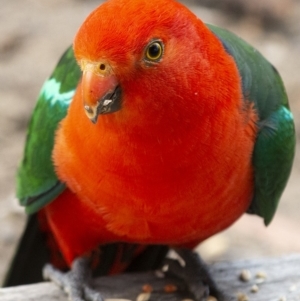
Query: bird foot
{"x": 189, "y": 267}
{"x": 76, "y": 282}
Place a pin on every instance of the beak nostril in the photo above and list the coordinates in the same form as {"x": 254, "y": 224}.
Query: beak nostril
{"x": 102, "y": 67}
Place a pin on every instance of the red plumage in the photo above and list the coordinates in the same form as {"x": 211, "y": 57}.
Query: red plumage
{"x": 173, "y": 165}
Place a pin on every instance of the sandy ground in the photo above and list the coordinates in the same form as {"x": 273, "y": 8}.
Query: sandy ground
{"x": 34, "y": 33}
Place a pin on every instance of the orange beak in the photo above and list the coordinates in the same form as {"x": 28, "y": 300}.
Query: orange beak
{"x": 100, "y": 91}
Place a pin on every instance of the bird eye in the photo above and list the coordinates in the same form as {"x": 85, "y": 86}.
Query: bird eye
{"x": 154, "y": 51}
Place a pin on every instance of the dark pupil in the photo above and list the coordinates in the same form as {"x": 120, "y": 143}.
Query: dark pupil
{"x": 154, "y": 50}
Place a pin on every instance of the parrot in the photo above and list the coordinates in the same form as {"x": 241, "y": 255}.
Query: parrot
{"x": 154, "y": 131}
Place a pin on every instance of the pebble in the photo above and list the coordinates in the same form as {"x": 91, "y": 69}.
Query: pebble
{"x": 170, "y": 288}
{"x": 242, "y": 297}
{"x": 261, "y": 275}
{"x": 293, "y": 288}
{"x": 245, "y": 275}
{"x": 147, "y": 288}
{"x": 143, "y": 297}
{"x": 254, "y": 289}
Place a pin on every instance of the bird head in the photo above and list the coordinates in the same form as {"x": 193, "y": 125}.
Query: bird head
{"x": 146, "y": 56}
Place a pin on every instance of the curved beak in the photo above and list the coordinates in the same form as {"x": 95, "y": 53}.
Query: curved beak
{"x": 100, "y": 91}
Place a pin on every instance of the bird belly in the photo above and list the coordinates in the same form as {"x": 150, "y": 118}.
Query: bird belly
{"x": 173, "y": 208}
{"x": 178, "y": 215}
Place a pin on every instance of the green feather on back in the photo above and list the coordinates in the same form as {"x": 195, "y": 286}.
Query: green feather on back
{"x": 37, "y": 183}
{"x": 275, "y": 145}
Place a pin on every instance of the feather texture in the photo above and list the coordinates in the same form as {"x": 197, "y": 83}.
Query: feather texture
{"x": 203, "y": 134}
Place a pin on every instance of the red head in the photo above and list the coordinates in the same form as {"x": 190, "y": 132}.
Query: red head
{"x": 151, "y": 56}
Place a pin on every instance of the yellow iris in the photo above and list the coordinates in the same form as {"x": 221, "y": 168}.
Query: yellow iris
{"x": 154, "y": 51}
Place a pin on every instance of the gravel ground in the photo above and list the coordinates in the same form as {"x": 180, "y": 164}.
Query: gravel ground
{"x": 33, "y": 34}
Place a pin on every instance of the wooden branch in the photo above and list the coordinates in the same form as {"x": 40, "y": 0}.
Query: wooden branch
{"x": 275, "y": 279}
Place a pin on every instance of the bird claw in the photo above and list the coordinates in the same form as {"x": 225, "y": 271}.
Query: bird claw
{"x": 192, "y": 270}
{"x": 75, "y": 282}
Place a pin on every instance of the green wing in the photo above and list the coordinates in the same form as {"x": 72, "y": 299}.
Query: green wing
{"x": 37, "y": 183}
{"x": 275, "y": 145}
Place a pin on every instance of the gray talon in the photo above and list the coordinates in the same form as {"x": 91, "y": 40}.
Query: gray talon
{"x": 76, "y": 282}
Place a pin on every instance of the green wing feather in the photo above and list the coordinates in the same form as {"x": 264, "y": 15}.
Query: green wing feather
{"x": 275, "y": 145}
{"x": 37, "y": 183}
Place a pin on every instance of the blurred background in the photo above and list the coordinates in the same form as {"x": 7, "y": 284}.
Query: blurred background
{"x": 33, "y": 35}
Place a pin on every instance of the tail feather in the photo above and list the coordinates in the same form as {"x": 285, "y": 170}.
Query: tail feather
{"x": 30, "y": 257}
{"x": 37, "y": 247}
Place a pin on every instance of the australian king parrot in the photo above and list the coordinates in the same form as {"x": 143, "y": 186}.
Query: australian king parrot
{"x": 155, "y": 130}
